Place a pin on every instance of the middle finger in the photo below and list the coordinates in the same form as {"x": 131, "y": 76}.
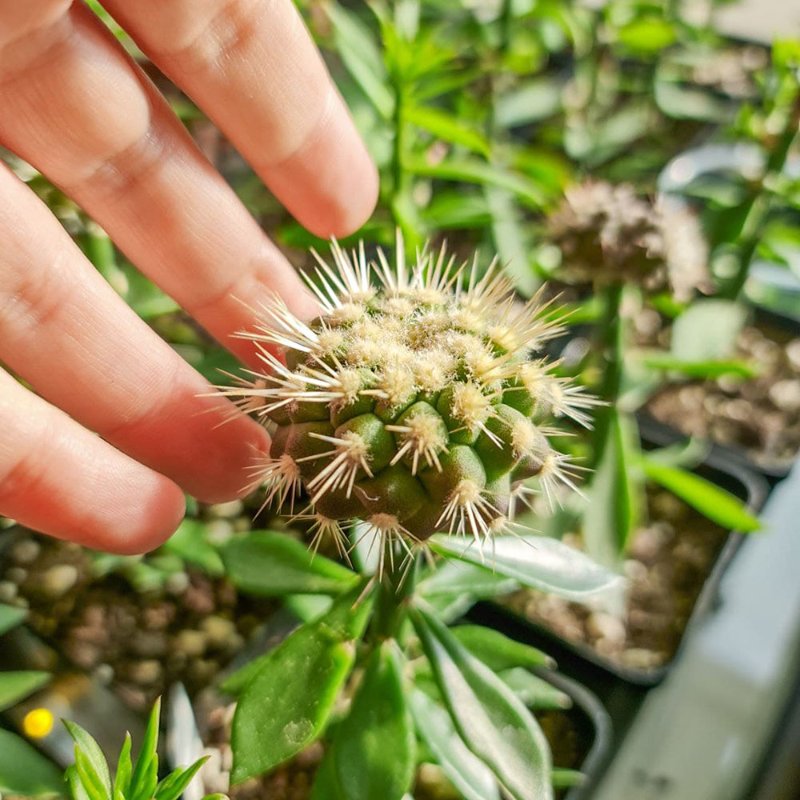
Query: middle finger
{"x": 79, "y": 109}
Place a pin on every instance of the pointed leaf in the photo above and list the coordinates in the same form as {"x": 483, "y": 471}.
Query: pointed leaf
{"x": 286, "y": 705}
{"x": 472, "y": 170}
{"x": 10, "y": 617}
{"x": 358, "y": 48}
{"x": 25, "y": 771}
{"x": 173, "y": 786}
{"x": 448, "y": 128}
{"x": 90, "y": 763}
{"x": 122, "y": 778}
{"x": 533, "y": 561}
{"x": 465, "y": 770}
{"x": 145, "y": 772}
{"x": 76, "y": 788}
{"x": 707, "y": 330}
{"x": 612, "y": 508}
{"x": 455, "y": 578}
{"x": 497, "y": 650}
{"x": 273, "y": 564}
{"x": 374, "y": 749}
{"x": 711, "y": 501}
{"x": 567, "y": 778}
{"x": 534, "y": 691}
{"x": 325, "y": 786}
{"x": 190, "y": 543}
{"x": 492, "y": 721}
{"x": 15, "y": 686}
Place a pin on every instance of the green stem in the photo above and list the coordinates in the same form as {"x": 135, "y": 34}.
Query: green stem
{"x": 394, "y": 593}
{"x": 760, "y": 202}
{"x": 401, "y": 203}
{"x": 611, "y": 345}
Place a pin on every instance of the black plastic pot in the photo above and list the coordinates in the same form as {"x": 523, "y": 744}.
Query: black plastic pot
{"x": 594, "y": 727}
{"x": 733, "y": 477}
{"x": 772, "y": 469}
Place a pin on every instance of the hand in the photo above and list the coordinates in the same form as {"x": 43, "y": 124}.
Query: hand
{"x": 78, "y": 108}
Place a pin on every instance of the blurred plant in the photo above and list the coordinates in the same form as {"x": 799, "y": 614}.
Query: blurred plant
{"x": 629, "y": 250}
{"x": 89, "y": 777}
{"x": 23, "y": 770}
{"x": 415, "y": 407}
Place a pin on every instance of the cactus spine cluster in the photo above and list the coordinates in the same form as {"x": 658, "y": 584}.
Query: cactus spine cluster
{"x": 415, "y": 402}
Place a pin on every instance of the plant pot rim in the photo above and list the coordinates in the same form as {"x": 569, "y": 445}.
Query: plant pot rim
{"x": 755, "y": 490}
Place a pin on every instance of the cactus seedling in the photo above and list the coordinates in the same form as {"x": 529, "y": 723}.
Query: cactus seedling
{"x": 413, "y": 403}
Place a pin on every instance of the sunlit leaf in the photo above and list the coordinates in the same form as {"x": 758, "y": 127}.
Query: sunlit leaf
{"x": 612, "y": 508}
{"x": 479, "y": 172}
{"x": 533, "y": 561}
{"x": 90, "y": 763}
{"x": 466, "y": 771}
{"x": 356, "y": 45}
{"x": 491, "y": 720}
{"x": 707, "y": 330}
{"x": 710, "y": 500}
{"x": 448, "y": 128}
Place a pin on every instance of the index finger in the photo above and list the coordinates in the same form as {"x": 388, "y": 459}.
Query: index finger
{"x": 251, "y": 65}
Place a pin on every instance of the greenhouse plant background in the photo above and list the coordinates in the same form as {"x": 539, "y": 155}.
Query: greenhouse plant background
{"x": 527, "y": 528}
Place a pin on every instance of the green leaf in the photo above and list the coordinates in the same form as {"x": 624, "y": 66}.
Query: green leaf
{"x": 448, "y": 128}
{"x": 90, "y": 763}
{"x": 511, "y": 240}
{"x": 453, "y": 587}
{"x": 326, "y": 787}
{"x": 534, "y": 691}
{"x": 612, "y": 508}
{"x": 273, "y": 564}
{"x": 286, "y": 705}
{"x": 533, "y": 561}
{"x": 470, "y": 776}
{"x": 190, "y": 543}
{"x": 492, "y": 721}
{"x": 456, "y": 578}
{"x": 76, "y": 788}
{"x": 707, "y": 370}
{"x": 172, "y": 787}
{"x": 497, "y": 650}
{"x": 567, "y": 778}
{"x": 10, "y": 617}
{"x": 360, "y": 54}
{"x": 688, "y": 102}
{"x": 707, "y": 330}
{"x": 648, "y": 34}
{"x": 479, "y": 172}
{"x": 711, "y": 501}
{"x": 374, "y": 749}
{"x": 529, "y": 102}
{"x": 122, "y": 777}
{"x": 456, "y": 209}
{"x": 15, "y": 686}
{"x": 25, "y": 771}
{"x": 145, "y": 772}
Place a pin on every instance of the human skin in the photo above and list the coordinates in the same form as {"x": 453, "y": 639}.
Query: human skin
{"x": 115, "y": 425}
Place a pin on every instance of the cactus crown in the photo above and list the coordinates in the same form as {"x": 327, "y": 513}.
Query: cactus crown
{"x": 413, "y": 403}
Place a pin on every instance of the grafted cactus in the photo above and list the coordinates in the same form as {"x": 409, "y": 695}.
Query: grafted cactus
{"x": 415, "y": 402}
